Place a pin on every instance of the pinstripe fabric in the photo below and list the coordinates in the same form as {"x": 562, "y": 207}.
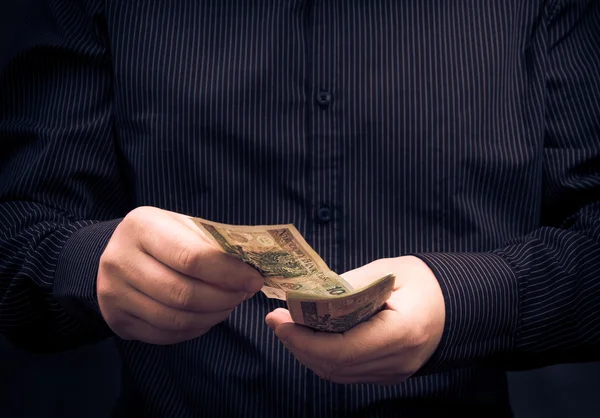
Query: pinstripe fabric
{"x": 467, "y": 133}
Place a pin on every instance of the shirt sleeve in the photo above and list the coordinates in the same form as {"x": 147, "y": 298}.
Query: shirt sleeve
{"x": 536, "y": 301}
{"x": 61, "y": 195}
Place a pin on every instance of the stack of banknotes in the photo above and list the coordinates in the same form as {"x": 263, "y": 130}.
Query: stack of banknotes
{"x": 316, "y": 296}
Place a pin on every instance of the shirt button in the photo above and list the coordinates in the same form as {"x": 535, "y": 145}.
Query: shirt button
{"x": 324, "y": 99}
{"x": 324, "y": 214}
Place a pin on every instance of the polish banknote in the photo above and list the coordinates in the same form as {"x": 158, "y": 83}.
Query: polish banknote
{"x": 316, "y": 296}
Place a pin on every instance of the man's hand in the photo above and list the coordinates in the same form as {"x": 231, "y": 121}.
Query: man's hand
{"x": 161, "y": 281}
{"x": 387, "y": 348}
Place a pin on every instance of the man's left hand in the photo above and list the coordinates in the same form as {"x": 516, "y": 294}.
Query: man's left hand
{"x": 390, "y": 346}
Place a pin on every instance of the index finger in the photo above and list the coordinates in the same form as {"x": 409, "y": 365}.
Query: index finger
{"x": 178, "y": 246}
{"x": 366, "y": 341}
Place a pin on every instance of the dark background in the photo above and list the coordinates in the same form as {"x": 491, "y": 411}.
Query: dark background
{"x": 86, "y": 382}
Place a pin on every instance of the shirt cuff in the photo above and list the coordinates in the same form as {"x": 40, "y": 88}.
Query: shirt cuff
{"x": 77, "y": 271}
{"x": 481, "y": 294}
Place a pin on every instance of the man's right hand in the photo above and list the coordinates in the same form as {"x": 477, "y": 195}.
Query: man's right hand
{"x": 162, "y": 281}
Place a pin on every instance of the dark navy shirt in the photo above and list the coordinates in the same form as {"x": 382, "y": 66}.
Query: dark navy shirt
{"x": 465, "y": 132}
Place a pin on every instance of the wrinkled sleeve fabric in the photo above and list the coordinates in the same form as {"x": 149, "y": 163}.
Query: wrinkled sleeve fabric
{"x": 61, "y": 195}
{"x": 536, "y": 300}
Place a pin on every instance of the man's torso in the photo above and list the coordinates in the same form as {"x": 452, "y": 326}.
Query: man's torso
{"x": 378, "y": 128}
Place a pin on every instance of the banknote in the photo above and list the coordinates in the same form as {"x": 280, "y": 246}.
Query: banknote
{"x": 316, "y": 296}
{"x": 339, "y": 314}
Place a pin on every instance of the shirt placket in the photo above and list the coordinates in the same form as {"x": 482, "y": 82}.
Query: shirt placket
{"x": 326, "y": 152}
{"x": 324, "y": 138}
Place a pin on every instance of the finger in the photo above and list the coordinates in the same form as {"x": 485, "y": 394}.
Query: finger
{"x": 134, "y": 328}
{"x": 385, "y": 366}
{"x": 281, "y": 316}
{"x": 378, "y": 372}
{"x": 314, "y": 344}
{"x": 299, "y": 336}
{"x": 277, "y": 317}
{"x": 332, "y": 371}
{"x": 180, "y": 247}
{"x": 368, "y": 340}
{"x": 177, "y": 290}
{"x": 166, "y": 318}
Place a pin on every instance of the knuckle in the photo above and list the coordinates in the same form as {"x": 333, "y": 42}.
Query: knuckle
{"x": 120, "y": 325}
{"x": 174, "y": 322}
{"x": 140, "y": 213}
{"x": 122, "y": 328}
{"x": 111, "y": 269}
{"x": 186, "y": 258}
{"x": 346, "y": 357}
{"x": 180, "y": 324}
{"x": 115, "y": 267}
{"x": 137, "y": 220}
{"x": 106, "y": 289}
{"x": 132, "y": 218}
{"x": 417, "y": 337}
{"x": 181, "y": 296}
{"x": 110, "y": 257}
